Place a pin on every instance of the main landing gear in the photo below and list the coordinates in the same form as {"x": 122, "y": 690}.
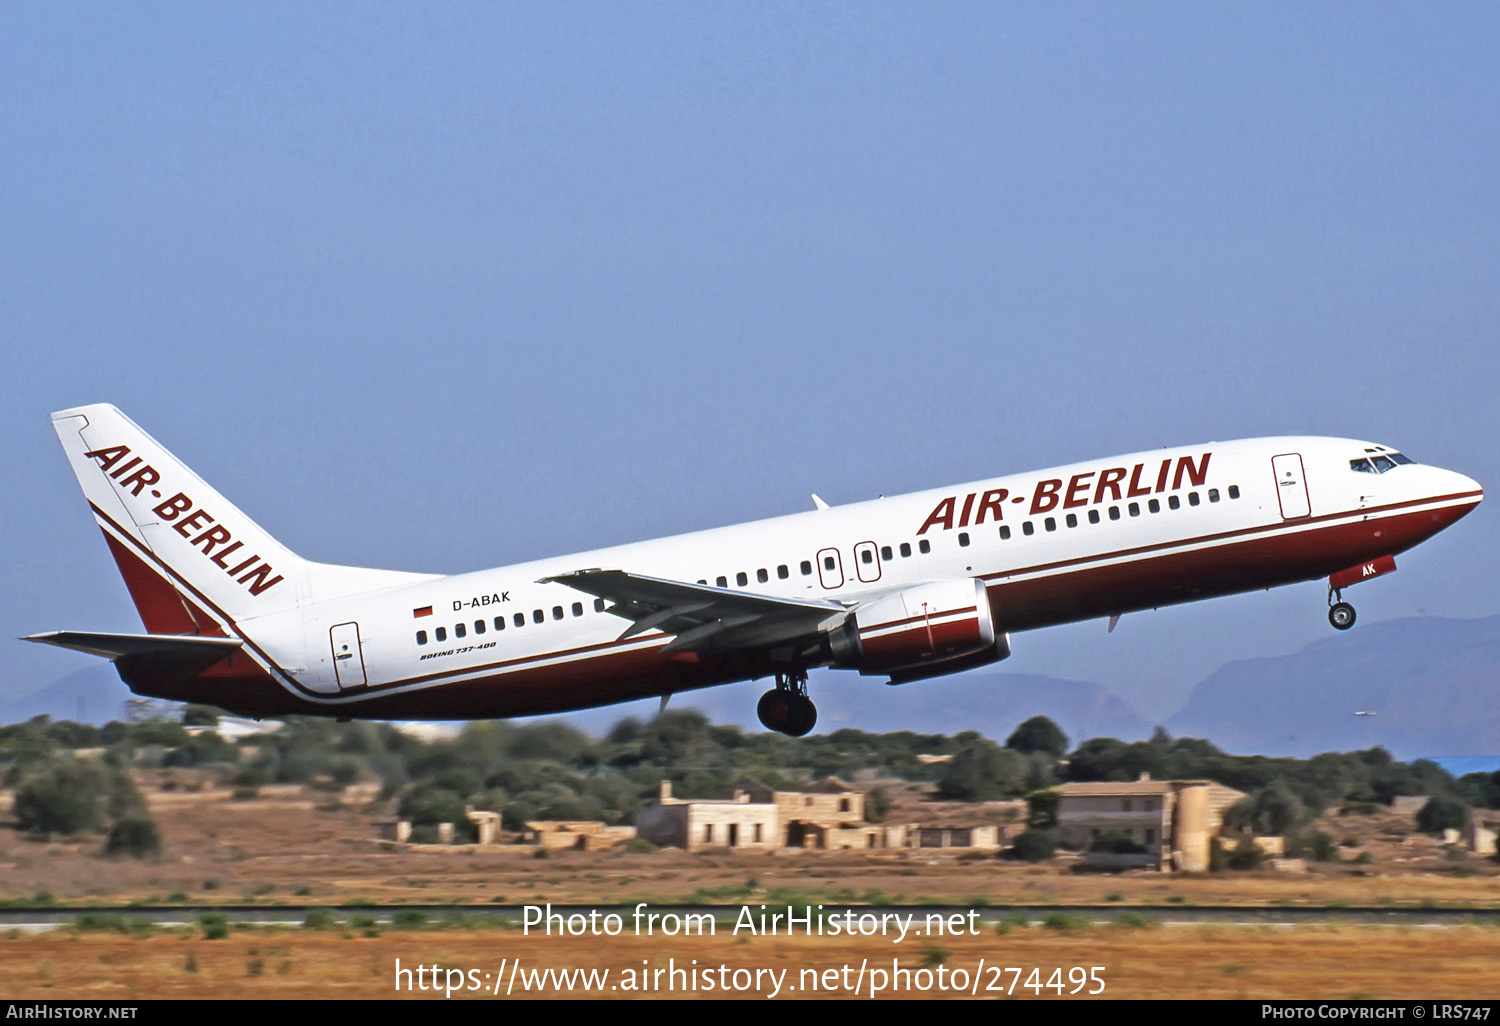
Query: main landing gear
{"x": 1340, "y": 613}
{"x": 786, "y": 707}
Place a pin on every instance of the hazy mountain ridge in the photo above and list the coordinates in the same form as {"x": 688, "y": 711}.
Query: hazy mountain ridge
{"x": 1430, "y": 682}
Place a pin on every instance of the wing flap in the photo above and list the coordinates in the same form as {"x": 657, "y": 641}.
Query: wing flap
{"x": 702, "y": 618}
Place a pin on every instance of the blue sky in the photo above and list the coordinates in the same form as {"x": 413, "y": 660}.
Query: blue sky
{"x": 440, "y": 287}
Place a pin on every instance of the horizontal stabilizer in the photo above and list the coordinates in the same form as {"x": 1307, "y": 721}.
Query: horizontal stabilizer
{"x": 166, "y": 647}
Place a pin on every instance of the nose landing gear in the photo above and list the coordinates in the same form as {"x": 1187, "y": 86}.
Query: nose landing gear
{"x": 1340, "y": 613}
{"x": 786, "y": 707}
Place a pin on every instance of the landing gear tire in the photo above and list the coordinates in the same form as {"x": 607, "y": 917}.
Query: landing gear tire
{"x": 1341, "y": 615}
{"x": 804, "y": 716}
{"x": 775, "y": 709}
{"x": 786, "y": 707}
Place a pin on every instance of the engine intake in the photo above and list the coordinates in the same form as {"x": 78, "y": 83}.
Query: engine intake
{"x": 924, "y": 631}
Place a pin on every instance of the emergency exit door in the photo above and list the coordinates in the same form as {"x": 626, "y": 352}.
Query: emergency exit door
{"x": 348, "y": 660}
{"x": 1291, "y": 486}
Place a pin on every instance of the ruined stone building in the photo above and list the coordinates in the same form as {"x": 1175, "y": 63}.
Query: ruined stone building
{"x": 829, "y": 815}
{"x": 1174, "y": 820}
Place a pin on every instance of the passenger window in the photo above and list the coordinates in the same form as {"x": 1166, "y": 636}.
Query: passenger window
{"x": 924, "y": 546}
{"x": 1193, "y": 499}
{"x": 1154, "y": 506}
{"x": 577, "y": 608}
{"x": 1093, "y": 516}
{"x": 459, "y": 631}
{"x": 421, "y": 637}
{"x": 1114, "y": 512}
{"x": 1213, "y": 495}
{"x": 828, "y": 563}
{"x": 867, "y": 555}
{"x": 741, "y": 579}
{"x": 963, "y": 538}
{"x": 1072, "y": 519}
{"x": 762, "y": 576}
{"x": 441, "y": 633}
{"x": 499, "y": 623}
{"x": 519, "y": 619}
{"x": 1234, "y": 491}
{"x": 1135, "y": 509}
{"x": 598, "y": 605}
{"x": 905, "y": 549}
{"x": 782, "y": 573}
{"x": 1027, "y": 529}
{"x": 1050, "y": 523}
{"x": 806, "y": 568}
{"x": 885, "y": 553}
{"x": 1173, "y": 502}
{"x": 478, "y": 626}
{"x": 537, "y": 616}
{"x": 722, "y": 582}
{"x": 557, "y": 612}
{"x": 1004, "y": 533}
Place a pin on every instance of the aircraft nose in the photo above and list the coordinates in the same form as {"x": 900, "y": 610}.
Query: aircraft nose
{"x": 1468, "y": 484}
{"x": 1465, "y": 488}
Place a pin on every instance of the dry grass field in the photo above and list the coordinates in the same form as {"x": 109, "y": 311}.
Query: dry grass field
{"x": 1138, "y": 962}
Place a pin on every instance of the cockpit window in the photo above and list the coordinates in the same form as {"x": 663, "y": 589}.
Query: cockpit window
{"x": 1378, "y": 462}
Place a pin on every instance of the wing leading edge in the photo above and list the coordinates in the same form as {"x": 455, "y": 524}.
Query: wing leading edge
{"x": 168, "y": 647}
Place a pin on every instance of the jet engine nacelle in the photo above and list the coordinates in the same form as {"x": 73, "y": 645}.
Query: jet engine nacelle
{"x": 924, "y": 631}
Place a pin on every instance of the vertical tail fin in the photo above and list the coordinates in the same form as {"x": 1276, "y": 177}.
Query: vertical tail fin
{"x": 190, "y": 558}
{"x": 179, "y": 544}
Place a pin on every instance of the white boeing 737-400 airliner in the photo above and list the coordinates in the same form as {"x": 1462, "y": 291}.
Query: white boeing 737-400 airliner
{"x": 904, "y": 588}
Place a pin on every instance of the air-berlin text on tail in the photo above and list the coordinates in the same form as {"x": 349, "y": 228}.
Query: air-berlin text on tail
{"x": 1089, "y": 488}
{"x": 217, "y": 544}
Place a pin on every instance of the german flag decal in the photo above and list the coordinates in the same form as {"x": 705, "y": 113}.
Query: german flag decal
{"x": 424, "y": 611}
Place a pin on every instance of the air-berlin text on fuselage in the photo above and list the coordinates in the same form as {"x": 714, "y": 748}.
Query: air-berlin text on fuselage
{"x": 1089, "y": 488}
{"x": 217, "y": 544}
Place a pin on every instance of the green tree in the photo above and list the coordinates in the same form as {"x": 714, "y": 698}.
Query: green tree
{"x": 1034, "y": 845}
{"x": 135, "y": 836}
{"x": 1038, "y": 734}
{"x": 1270, "y": 810}
{"x": 61, "y": 800}
{"x": 983, "y": 771}
{"x": 1041, "y": 809}
{"x": 1246, "y": 855}
{"x": 1441, "y": 814}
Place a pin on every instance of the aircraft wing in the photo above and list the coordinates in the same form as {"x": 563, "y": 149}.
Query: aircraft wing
{"x": 167, "y": 647}
{"x": 703, "y": 619}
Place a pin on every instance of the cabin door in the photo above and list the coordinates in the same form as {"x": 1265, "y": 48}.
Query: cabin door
{"x": 348, "y": 660}
{"x": 1291, "y": 486}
